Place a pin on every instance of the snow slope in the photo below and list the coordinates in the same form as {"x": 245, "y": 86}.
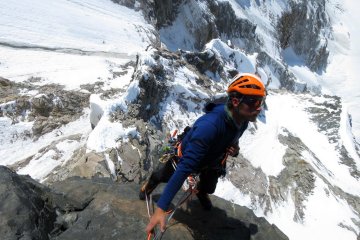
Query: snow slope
{"x": 325, "y": 213}
{"x": 94, "y": 25}
{"x": 69, "y": 43}
{"x": 341, "y": 77}
{"x": 70, "y": 70}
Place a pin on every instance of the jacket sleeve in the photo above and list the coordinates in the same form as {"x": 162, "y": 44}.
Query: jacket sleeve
{"x": 201, "y": 139}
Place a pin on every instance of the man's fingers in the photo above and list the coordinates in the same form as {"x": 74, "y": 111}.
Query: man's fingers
{"x": 158, "y": 218}
{"x": 150, "y": 227}
{"x": 162, "y": 226}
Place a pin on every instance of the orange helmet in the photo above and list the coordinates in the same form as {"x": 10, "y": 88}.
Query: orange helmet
{"x": 247, "y": 84}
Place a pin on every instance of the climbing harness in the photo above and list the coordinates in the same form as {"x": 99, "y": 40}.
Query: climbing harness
{"x": 173, "y": 153}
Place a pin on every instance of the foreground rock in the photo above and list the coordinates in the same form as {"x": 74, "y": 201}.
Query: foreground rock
{"x": 101, "y": 209}
{"x": 25, "y": 212}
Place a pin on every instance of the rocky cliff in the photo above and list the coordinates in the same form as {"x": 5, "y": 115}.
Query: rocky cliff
{"x": 99, "y": 208}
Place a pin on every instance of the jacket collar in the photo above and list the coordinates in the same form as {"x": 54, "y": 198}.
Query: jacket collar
{"x": 230, "y": 120}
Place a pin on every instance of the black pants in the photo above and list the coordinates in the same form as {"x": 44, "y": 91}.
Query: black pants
{"x": 208, "y": 178}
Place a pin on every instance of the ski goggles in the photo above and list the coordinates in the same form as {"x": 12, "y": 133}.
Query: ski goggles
{"x": 253, "y": 102}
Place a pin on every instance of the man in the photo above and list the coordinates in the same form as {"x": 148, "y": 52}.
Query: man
{"x": 205, "y": 144}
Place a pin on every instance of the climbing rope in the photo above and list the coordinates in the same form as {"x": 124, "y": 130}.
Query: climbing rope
{"x": 189, "y": 187}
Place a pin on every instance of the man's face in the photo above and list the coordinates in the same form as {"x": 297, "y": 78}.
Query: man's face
{"x": 248, "y": 113}
{"x": 248, "y": 108}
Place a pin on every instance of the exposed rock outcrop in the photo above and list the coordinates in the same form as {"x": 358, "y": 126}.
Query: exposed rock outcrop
{"x": 50, "y": 109}
{"x": 327, "y": 117}
{"x": 101, "y": 209}
{"x": 6, "y": 88}
{"x": 24, "y": 207}
{"x": 152, "y": 91}
{"x": 204, "y": 61}
{"x": 55, "y": 108}
{"x": 229, "y": 26}
{"x": 287, "y": 79}
{"x": 81, "y": 164}
{"x": 206, "y": 21}
{"x": 165, "y": 11}
{"x": 297, "y": 178}
{"x": 5, "y": 82}
{"x": 158, "y": 12}
{"x": 303, "y": 28}
{"x": 11, "y": 104}
{"x": 135, "y": 159}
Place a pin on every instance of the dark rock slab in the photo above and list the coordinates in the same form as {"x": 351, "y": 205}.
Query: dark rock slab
{"x": 25, "y": 212}
{"x": 98, "y": 208}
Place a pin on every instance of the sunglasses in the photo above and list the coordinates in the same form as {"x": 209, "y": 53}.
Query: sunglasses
{"x": 253, "y": 102}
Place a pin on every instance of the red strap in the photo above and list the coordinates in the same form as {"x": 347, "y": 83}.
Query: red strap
{"x": 178, "y": 147}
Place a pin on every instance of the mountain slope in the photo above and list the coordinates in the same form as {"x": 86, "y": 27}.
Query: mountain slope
{"x": 87, "y": 89}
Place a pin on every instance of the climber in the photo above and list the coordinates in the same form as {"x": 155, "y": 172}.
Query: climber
{"x": 213, "y": 135}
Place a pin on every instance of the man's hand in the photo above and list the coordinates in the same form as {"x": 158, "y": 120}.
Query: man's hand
{"x": 233, "y": 150}
{"x": 159, "y": 217}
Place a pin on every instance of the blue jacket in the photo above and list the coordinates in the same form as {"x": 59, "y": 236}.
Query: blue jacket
{"x": 203, "y": 146}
